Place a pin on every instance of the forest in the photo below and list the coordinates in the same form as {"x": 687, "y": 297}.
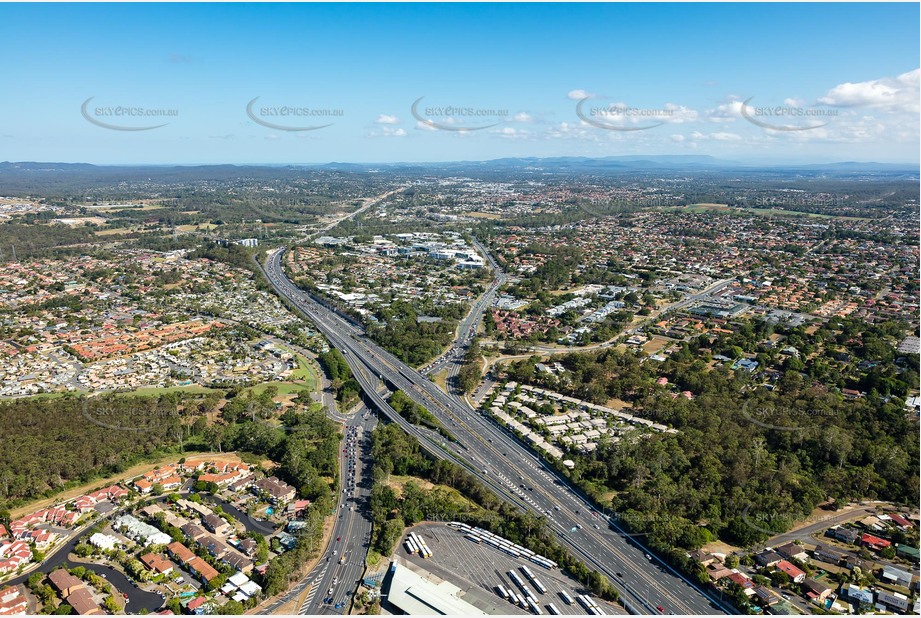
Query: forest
{"x": 415, "y": 342}
{"x": 744, "y": 451}
{"x": 50, "y": 444}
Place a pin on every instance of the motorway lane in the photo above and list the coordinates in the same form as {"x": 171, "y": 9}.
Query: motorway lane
{"x": 354, "y": 528}
{"x": 353, "y": 523}
{"x": 648, "y": 583}
{"x": 643, "y": 579}
{"x": 644, "y": 584}
{"x": 441, "y": 401}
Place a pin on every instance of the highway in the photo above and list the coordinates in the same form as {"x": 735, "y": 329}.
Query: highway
{"x": 453, "y": 358}
{"x": 508, "y": 467}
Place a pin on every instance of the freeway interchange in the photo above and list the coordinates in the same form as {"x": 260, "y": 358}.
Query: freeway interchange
{"x": 504, "y": 464}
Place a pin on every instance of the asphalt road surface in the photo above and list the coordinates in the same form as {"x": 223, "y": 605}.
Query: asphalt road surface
{"x": 501, "y": 462}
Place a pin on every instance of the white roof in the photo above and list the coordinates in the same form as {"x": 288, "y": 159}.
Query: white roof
{"x": 238, "y": 579}
{"x": 250, "y": 588}
{"x": 416, "y": 595}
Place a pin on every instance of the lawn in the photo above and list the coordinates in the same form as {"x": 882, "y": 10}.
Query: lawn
{"x": 305, "y": 371}
{"x": 284, "y": 388}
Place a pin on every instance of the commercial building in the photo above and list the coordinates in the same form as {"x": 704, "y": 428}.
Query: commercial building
{"x": 415, "y": 595}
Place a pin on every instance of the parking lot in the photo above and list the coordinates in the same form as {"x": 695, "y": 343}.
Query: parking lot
{"x": 478, "y": 569}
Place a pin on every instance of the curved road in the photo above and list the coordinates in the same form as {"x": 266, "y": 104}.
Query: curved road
{"x": 500, "y": 461}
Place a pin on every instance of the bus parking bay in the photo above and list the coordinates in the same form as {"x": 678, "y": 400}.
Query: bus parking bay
{"x": 478, "y": 569}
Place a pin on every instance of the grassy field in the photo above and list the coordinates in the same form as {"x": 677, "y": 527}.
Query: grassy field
{"x": 440, "y": 379}
{"x": 306, "y": 371}
{"x": 284, "y": 388}
{"x": 154, "y": 390}
{"x": 764, "y": 212}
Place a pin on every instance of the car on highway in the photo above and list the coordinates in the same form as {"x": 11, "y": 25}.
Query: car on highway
{"x": 660, "y": 608}
{"x": 339, "y": 538}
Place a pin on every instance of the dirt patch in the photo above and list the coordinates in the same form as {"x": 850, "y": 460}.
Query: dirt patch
{"x": 655, "y": 344}
{"x": 719, "y": 547}
{"x": 396, "y": 483}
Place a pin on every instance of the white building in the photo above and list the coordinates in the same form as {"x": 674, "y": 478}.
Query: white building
{"x": 103, "y": 541}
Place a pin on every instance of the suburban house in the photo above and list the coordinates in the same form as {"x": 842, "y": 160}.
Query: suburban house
{"x": 197, "y": 605}
{"x": 896, "y": 576}
{"x": 792, "y": 551}
{"x": 907, "y": 552}
{"x": 13, "y": 555}
{"x": 215, "y": 524}
{"x": 828, "y": 554}
{"x": 238, "y": 561}
{"x": 874, "y": 542}
{"x": 180, "y": 552}
{"x": 845, "y": 534}
{"x": 64, "y": 582}
{"x": 82, "y": 602}
{"x": 201, "y": 569}
{"x": 900, "y": 521}
{"x": 795, "y": 573}
{"x": 815, "y": 591}
{"x": 248, "y": 547}
{"x": 748, "y": 586}
{"x": 13, "y": 602}
{"x": 892, "y": 601}
{"x": 157, "y": 563}
{"x": 192, "y": 531}
{"x": 214, "y": 546}
{"x": 766, "y": 596}
{"x": 768, "y": 558}
{"x": 278, "y": 490}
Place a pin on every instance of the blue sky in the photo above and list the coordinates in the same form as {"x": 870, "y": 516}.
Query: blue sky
{"x": 823, "y": 82}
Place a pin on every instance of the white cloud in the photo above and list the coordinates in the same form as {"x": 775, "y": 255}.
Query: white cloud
{"x": 677, "y": 138}
{"x": 523, "y": 117}
{"x": 512, "y": 133}
{"x": 726, "y": 112}
{"x": 678, "y": 114}
{"x": 387, "y": 119}
{"x": 899, "y": 94}
{"x": 579, "y": 94}
{"x": 793, "y": 102}
{"x": 719, "y": 136}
